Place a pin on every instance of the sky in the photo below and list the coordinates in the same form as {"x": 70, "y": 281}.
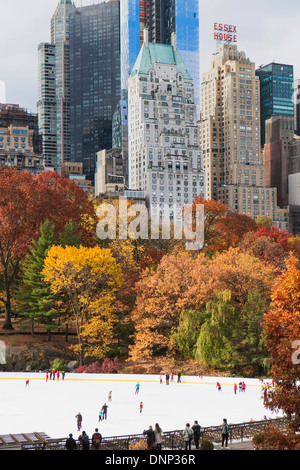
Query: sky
{"x": 268, "y": 30}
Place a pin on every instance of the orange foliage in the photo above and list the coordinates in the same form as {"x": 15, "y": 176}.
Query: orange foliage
{"x": 282, "y": 330}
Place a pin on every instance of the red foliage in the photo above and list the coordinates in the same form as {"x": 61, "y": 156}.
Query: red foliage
{"x": 25, "y": 202}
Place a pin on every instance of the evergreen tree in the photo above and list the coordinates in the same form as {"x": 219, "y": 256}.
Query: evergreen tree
{"x": 71, "y": 235}
{"x": 37, "y": 303}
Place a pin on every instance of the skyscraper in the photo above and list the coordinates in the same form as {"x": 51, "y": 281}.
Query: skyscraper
{"x": 79, "y": 83}
{"x": 230, "y": 137}
{"x": 53, "y": 101}
{"x": 165, "y": 159}
{"x": 46, "y": 105}
{"x": 276, "y": 99}
{"x": 162, "y": 18}
{"x": 95, "y": 80}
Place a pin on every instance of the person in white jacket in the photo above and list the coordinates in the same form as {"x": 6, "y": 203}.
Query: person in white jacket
{"x": 188, "y": 436}
{"x": 158, "y": 436}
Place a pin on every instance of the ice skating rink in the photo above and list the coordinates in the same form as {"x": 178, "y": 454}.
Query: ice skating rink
{"x": 51, "y": 406}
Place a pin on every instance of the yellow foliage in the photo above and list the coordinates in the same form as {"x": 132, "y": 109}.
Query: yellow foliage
{"x": 88, "y": 278}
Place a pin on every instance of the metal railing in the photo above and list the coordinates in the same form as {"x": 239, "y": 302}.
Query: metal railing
{"x": 172, "y": 440}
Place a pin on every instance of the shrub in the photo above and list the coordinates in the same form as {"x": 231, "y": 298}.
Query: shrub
{"x": 206, "y": 444}
{"x": 139, "y": 445}
{"x": 57, "y": 364}
{"x": 108, "y": 366}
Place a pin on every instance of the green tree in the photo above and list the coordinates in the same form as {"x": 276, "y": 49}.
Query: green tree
{"x": 36, "y": 301}
{"x": 214, "y": 341}
{"x": 71, "y": 235}
{"x": 188, "y": 330}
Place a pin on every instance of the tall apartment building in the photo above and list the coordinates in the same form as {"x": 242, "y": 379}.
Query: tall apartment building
{"x": 95, "y": 80}
{"x": 276, "y": 98}
{"x": 46, "y": 105}
{"x": 229, "y": 133}
{"x": 297, "y": 106}
{"x": 164, "y": 156}
{"x": 162, "y": 18}
{"x": 54, "y": 100}
{"x": 79, "y": 83}
{"x": 20, "y": 141}
{"x": 279, "y": 136}
{"x": 294, "y": 186}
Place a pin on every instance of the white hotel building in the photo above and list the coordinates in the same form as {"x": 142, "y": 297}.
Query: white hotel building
{"x": 165, "y": 159}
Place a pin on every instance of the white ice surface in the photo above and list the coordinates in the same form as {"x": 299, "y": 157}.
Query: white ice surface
{"x": 51, "y": 406}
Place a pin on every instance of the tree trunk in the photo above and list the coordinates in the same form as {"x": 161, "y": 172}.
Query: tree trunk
{"x": 7, "y": 306}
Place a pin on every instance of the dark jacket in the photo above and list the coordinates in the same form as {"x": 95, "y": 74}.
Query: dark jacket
{"x": 150, "y": 434}
{"x": 70, "y": 444}
{"x": 196, "y": 429}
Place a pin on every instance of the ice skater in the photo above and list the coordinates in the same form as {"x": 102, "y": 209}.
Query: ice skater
{"x": 27, "y": 383}
{"x": 79, "y": 421}
{"x": 219, "y": 386}
{"x": 141, "y": 407}
{"x": 100, "y": 418}
{"x": 235, "y": 388}
{"x": 104, "y": 411}
{"x": 109, "y": 395}
{"x": 137, "y": 388}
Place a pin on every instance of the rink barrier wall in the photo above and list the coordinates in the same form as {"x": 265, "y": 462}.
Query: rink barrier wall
{"x": 173, "y": 440}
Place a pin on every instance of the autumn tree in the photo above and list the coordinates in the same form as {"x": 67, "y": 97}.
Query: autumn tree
{"x": 158, "y": 306}
{"x": 282, "y": 331}
{"x": 25, "y": 202}
{"x": 181, "y": 296}
{"x": 271, "y": 245}
{"x": 223, "y": 228}
{"x": 88, "y": 277}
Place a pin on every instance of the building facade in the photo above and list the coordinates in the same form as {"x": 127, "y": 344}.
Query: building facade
{"x": 95, "y": 80}
{"x": 109, "y": 176}
{"x": 276, "y": 99}
{"x": 279, "y": 136}
{"x": 229, "y": 135}
{"x": 165, "y": 160}
{"x": 20, "y": 141}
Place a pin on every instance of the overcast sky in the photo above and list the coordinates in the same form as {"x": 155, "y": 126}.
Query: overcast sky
{"x": 268, "y": 30}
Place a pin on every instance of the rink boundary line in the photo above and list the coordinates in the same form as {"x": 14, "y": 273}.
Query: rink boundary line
{"x": 127, "y": 380}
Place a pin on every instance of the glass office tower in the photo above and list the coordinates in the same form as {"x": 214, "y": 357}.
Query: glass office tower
{"x": 276, "y": 84}
{"x": 162, "y": 18}
{"x": 95, "y": 80}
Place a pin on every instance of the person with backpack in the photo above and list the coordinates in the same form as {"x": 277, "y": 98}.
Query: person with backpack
{"x": 225, "y": 433}
{"x": 96, "y": 440}
{"x": 187, "y": 436}
{"x": 196, "y": 428}
{"x": 84, "y": 441}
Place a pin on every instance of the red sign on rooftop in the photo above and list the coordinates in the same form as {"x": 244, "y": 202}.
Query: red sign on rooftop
{"x": 225, "y": 32}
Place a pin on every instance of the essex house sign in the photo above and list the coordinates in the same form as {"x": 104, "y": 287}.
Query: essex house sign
{"x": 225, "y": 32}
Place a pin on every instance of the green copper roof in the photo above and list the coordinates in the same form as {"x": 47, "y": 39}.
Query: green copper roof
{"x": 159, "y": 53}
{"x": 68, "y": 2}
